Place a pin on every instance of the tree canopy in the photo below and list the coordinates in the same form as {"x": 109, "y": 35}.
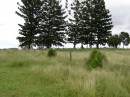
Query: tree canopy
{"x": 47, "y": 24}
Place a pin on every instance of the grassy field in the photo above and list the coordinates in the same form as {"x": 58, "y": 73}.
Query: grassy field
{"x": 33, "y": 74}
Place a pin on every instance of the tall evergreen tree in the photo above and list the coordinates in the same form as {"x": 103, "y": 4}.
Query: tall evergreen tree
{"x": 29, "y": 10}
{"x": 74, "y": 26}
{"x": 86, "y": 35}
{"x": 52, "y": 25}
{"x": 101, "y": 22}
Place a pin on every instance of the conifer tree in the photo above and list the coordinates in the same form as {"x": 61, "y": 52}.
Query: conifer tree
{"x": 74, "y": 27}
{"x": 101, "y": 22}
{"x": 86, "y": 35}
{"x": 52, "y": 25}
{"x": 29, "y": 10}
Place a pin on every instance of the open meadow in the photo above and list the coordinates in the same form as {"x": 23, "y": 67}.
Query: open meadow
{"x": 34, "y": 74}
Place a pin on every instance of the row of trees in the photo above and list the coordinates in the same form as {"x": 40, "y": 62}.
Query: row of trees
{"x": 47, "y": 23}
{"x": 116, "y": 40}
{"x": 44, "y": 23}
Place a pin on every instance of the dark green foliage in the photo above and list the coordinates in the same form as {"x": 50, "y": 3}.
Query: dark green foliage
{"x": 30, "y": 11}
{"x": 52, "y": 25}
{"x": 101, "y": 22}
{"x": 114, "y": 41}
{"x": 87, "y": 35}
{"x": 124, "y": 36}
{"x": 45, "y": 24}
{"x": 52, "y": 53}
{"x": 96, "y": 59}
{"x": 92, "y": 23}
{"x": 74, "y": 27}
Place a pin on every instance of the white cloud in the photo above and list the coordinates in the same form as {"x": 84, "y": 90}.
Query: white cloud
{"x": 8, "y": 23}
{"x": 120, "y": 14}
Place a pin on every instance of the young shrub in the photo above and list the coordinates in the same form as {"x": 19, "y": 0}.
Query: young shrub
{"x": 96, "y": 59}
{"x": 52, "y": 53}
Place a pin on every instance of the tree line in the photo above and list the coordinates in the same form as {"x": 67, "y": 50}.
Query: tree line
{"x": 116, "y": 40}
{"x": 47, "y": 23}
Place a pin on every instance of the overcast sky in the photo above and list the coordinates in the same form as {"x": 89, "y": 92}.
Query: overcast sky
{"x": 9, "y": 20}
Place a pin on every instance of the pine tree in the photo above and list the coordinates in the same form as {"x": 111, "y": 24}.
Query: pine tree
{"x": 86, "y": 35}
{"x": 52, "y": 25}
{"x": 74, "y": 27}
{"x": 101, "y": 23}
{"x": 29, "y": 10}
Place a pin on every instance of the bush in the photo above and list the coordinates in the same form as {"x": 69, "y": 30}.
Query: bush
{"x": 52, "y": 53}
{"x": 96, "y": 59}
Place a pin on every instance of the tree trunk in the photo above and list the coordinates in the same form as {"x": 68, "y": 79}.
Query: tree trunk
{"x": 87, "y": 45}
{"x": 74, "y": 45}
{"x": 82, "y": 47}
{"x": 97, "y": 46}
{"x": 116, "y": 46}
{"x": 48, "y": 47}
{"x": 90, "y": 45}
{"x": 29, "y": 47}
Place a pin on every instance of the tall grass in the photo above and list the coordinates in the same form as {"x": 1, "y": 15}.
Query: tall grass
{"x": 34, "y": 74}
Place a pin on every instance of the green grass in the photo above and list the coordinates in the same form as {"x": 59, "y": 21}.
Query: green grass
{"x": 34, "y": 74}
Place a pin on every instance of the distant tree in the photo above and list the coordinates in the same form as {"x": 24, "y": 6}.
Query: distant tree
{"x": 29, "y": 10}
{"x": 114, "y": 41}
{"x": 52, "y": 25}
{"x": 124, "y": 36}
{"x": 74, "y": 25}
{"x": 101, "y": 22}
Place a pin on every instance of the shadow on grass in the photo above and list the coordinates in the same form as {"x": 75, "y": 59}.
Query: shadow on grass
{"x": 19, "y": 64}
